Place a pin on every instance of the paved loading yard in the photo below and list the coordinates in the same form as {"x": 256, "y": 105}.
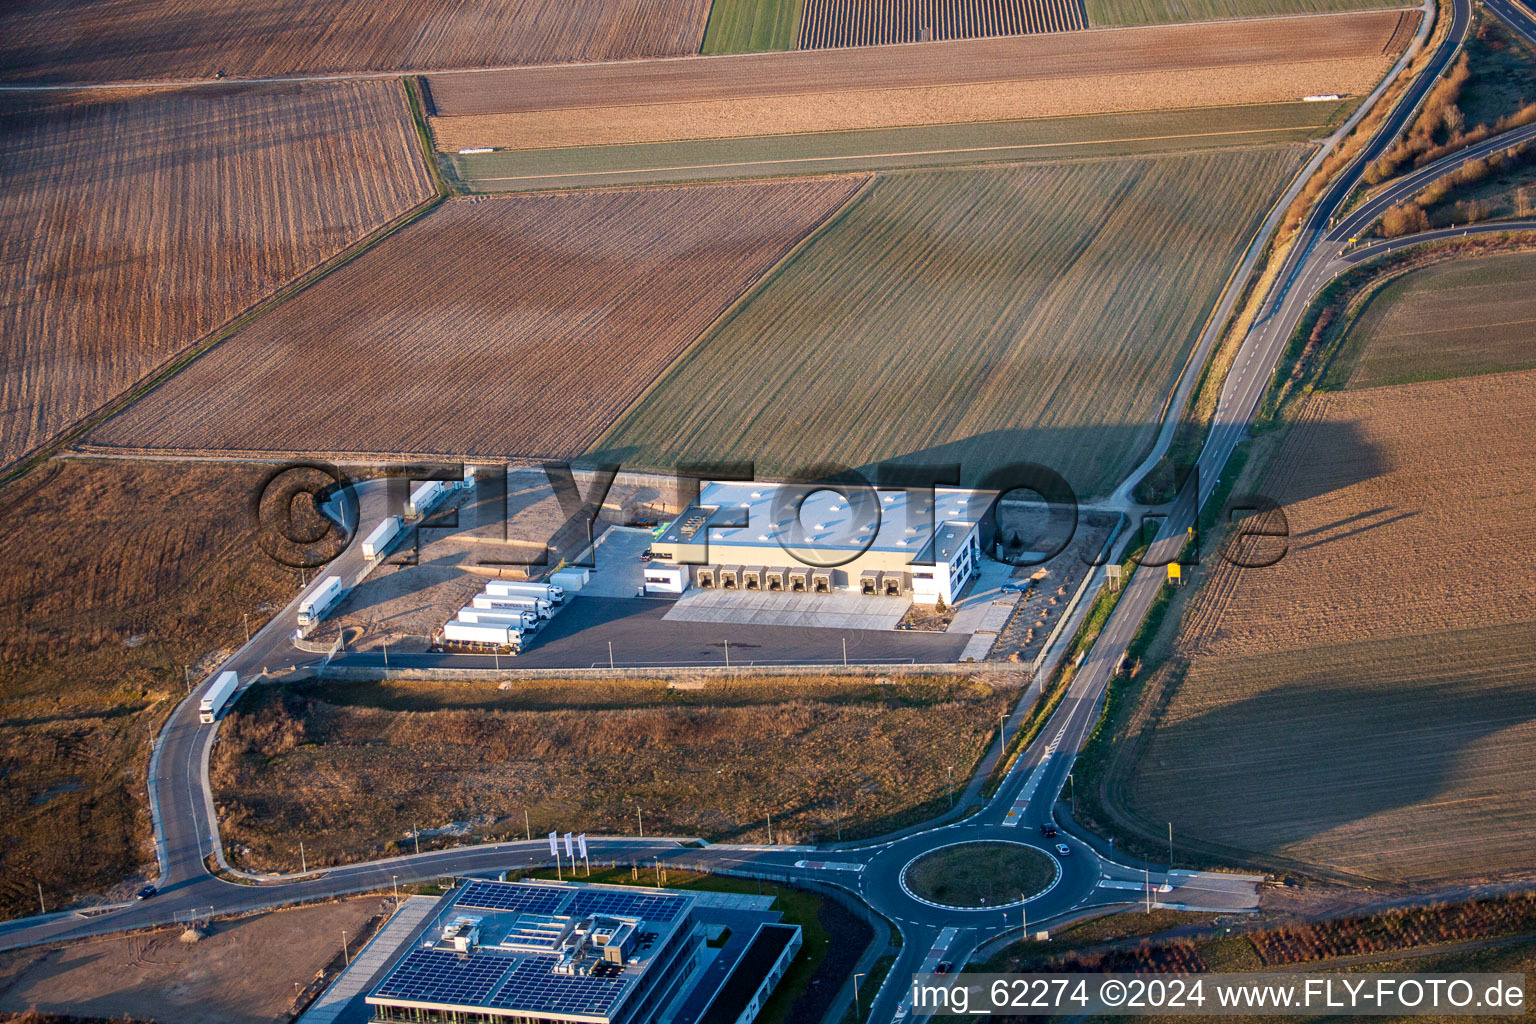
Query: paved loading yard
{"x": 766, "y": 608}
{"x": 642, "y": 636}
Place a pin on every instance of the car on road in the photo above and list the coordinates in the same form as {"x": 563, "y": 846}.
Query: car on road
{"x": 1048, "y": 830}
{"x": 944, "y": 967}
{"x": 1064, "y": 849}
{"x": 146, "y": 892}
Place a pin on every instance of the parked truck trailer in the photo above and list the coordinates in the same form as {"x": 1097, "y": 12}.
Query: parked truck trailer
{"x": 506, "y": 616}
{"x": 489, "y": 633}
{"x": 547, "y": 591}
{"x": 377, "y": 542}
{"x": 424, "y": 496}
{"x": 540, "y": 607}
{"x": 318, "y": 604}
{"x": 217, "y": 696}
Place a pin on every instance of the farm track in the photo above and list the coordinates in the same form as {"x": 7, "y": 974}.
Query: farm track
{"x": 833, "y": 23}
{"x": 374, "y": 359}
{"x": 99, "y": 314}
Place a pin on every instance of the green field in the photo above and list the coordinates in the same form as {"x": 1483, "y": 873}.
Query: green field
{"x": 879, "y": 149}
{"x": 1451, "y": 320}
{"x": 746, "y": 26}
{"x": 1035, "y": 312}
{"x": 1104, "y": 13}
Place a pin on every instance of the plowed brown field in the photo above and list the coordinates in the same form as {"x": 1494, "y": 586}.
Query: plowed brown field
{"x": 495, "y": 327}
{"x": 870, "y": 22}
{"x": 965, "y": 80}
{"x": 1368, "y": 705}
{"x": 132, "y": 228}
{"x": 58, "y": 40}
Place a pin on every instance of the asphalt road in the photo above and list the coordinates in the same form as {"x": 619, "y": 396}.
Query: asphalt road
{"x": 1086, "y": 878}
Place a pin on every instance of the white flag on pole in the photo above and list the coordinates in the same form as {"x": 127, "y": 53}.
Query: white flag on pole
{"x": 554, "y": 851}
{"x": 581, "y": 841}
{"x": 569, "y": 850}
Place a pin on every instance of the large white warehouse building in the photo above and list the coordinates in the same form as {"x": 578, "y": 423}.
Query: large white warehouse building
{"x": 921, "y": 543}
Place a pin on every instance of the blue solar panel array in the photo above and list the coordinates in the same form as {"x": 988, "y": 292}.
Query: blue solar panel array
{"x": 658, "y": 908}
{"x": 534, "y": 988}
{"x": 522, "y": 899}
{"x": 444, "y": 976}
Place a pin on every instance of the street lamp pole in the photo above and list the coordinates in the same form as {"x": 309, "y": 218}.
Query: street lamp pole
{"x": 858, "y": 1011}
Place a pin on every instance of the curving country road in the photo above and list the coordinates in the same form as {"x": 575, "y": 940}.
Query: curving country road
{"x": 1087, "y": 877}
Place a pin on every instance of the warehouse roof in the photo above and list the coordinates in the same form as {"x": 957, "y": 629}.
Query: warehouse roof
{"x": 897, "y": 520}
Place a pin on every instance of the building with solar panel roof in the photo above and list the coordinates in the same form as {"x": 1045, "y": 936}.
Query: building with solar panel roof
{"x": 533, "y": 952}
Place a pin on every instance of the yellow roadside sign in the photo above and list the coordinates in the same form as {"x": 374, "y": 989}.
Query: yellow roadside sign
{"x": 1174, "y": 572}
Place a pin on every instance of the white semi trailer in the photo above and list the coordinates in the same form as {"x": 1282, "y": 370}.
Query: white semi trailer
{"x": 424, "y": 496}
{"x": 547, "y": 591}
{"x": 315, "y": 607}
{"x": 217, "y": 696}
{"x": 506, "y": 616}
{"x": 377, "y": 542}
{"x": 495, "y": 634}
{"x": 540, "y": 607}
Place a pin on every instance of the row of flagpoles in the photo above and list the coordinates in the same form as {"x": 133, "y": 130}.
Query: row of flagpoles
{"x": 572, "y": 844}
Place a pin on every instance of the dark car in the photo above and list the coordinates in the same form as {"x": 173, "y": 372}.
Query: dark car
{"x": 944, "y": 967}
{"x": 1064, "y": 849}
{"x": 145, "y": 893}
{"x": 1048, "y": 830}
{"x": 1016, "y": 586}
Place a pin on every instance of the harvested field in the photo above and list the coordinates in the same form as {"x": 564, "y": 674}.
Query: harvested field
{"x": 1157, "y": 12}
{"x": 493, "y": 327}
{"x": 1367, "y": 706}
{"x": 1033, "y": 312}
{"x": 118, "y": 576}
{"x": 134, "y": 227}
{"x": 946, "y": 145}
{"x": 968, "y": 80}
{"x": 1451, "y": 320}
{"x": 242, "y": 972}
{"x": 60, "y": 41}
{"x": 874, "y": 22}
{"x": 359, "y": 763}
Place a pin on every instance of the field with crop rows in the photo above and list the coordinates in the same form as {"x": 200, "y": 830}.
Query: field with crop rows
{"x": 747, "y": 26}
{"x": 1158, "y": 12}
{"x": 357, "y": 764}
{"x": 970, "y": 80}
{"x": 517, "y": 326}
{"x": 1456, "y": 319}
{"x": 1368, "y": 704}
{"x": 133, "y": 228}
{"x": 1034, "y": 312}
{"x": 117, "y": 576}
{"x": 62, "y": 41}
{"x": 874, "y": 22}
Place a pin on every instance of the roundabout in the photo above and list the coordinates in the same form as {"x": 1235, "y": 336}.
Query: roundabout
{"x": 981, "y": 874}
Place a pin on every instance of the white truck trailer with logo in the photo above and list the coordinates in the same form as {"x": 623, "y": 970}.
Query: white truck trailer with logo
{"x": 217, "y": 696}
{"x": 540, "y": 607}
{"x": 318, "y": 604}
{"x": 424, "y": 496}
{"x": 493, "y": 634}
{"x": 546, "y": 591}
{"x": 528, "y": 621}
{"x": 377, "y": 542}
